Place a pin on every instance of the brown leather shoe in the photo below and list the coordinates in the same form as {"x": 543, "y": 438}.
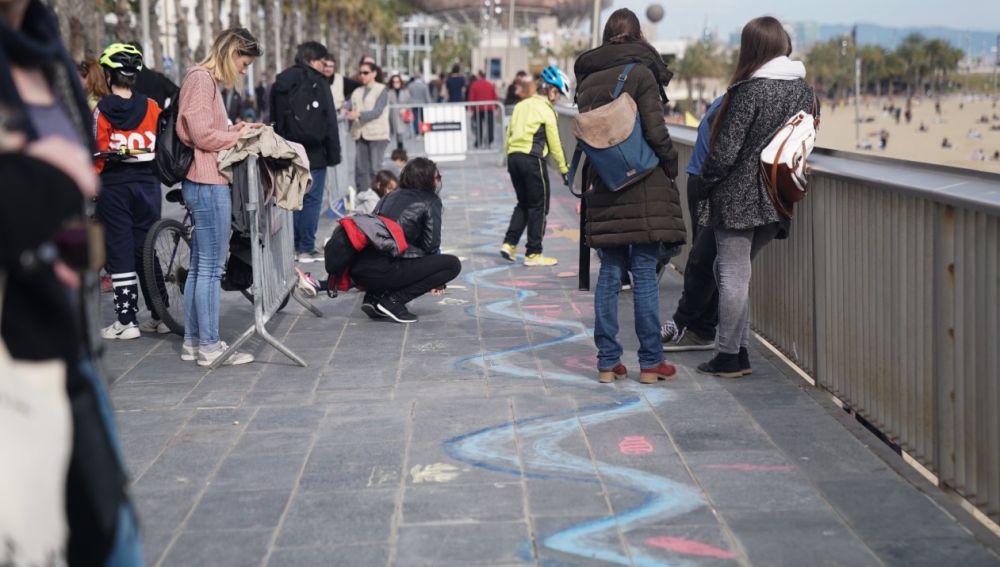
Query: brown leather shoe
{"x": 616, "y": 373}
{"x": 653, "y": 375}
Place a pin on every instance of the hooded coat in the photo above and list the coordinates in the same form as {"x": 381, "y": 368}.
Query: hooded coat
{"x": 649, "y": 210}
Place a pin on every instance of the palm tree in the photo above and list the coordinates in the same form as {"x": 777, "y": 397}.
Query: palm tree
{"x": 913, "y": 52}
{"x": 701, "y": 60}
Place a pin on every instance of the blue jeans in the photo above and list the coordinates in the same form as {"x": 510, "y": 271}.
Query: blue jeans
{"x": 211, "y": 213}
{"x": 307, "y": 220}
{"x": 640, "y": 259}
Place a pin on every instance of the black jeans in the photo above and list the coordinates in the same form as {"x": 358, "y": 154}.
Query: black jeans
{"x": 484, "y": 128}
{"x": 530, "y": 177}
{"x": 405, "y": 278}
{"x": 698, "y": 308}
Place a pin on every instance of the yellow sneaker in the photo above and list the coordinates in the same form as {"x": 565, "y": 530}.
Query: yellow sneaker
{"x": 508, "y": 251}
{"x": 539, "y": 260}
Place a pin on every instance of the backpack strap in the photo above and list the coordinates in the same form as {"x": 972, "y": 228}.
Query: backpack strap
{"x": 621, "y": 80}
{"x": 574, "y": 164}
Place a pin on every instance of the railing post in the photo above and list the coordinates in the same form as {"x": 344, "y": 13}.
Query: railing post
{"x": 584, "y": 264}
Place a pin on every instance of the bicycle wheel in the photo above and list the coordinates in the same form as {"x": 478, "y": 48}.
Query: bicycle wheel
{"x": 166, "y": 260}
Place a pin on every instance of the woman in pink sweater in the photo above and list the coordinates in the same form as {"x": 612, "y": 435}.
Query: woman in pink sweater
{"x": 203, "y": 125}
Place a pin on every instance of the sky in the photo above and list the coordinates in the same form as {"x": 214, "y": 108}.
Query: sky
{"x": 685, "y": 18}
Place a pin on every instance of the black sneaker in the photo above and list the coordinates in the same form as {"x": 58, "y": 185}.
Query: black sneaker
{"x": 369, "y": 306}
{"x": 745, "y": 361}
{"x": 395, "y": 310}
{"x": 676, "y": 339}
{"x": 723, "y": 365}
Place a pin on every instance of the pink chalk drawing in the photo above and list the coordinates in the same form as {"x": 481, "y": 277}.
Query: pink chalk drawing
{"x": 580, "y": 362}
{"x": 689, "y": 547}
{"x": 519, "y": 283}
{"x": 566, "y": 274}
{"x": 746, "y": 467}
{"x": 635, "y": 445}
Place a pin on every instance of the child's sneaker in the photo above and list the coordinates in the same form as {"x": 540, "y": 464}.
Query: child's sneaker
{"x": 207, "y": 358}
{"x": 154, "y": 326}
{"x": 508, "y": 252}
{"x": 539, "y": 260}
{"x": 118, "y": 331}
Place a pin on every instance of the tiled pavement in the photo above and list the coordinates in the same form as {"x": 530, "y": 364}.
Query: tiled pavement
{"x": 479, "y": 436}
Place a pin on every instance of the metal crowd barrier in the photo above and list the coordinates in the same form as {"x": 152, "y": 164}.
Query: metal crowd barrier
{"x": 452, "y": 130}
{"x": 273, "y": 260}
{"x": 340, "y": 179}
{"x": 887, "y": 294}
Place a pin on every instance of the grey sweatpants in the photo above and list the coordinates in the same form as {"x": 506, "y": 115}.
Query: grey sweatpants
{"x": 368, "y": 161}
{"x": 732, "y": 272}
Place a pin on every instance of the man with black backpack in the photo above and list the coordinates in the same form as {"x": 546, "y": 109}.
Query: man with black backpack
{"x": 303, "y": 111}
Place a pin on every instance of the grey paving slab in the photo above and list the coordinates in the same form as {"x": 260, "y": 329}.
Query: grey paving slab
{"x": 464, "y": 544}
{"x": 224, "y": 509}
{"x": 794, "y": 537}
{"x": 479, "y": 436}
{"x": 334, "y": 518}
{"x": 485, "y": 502}
{"x": 227, "y": 548}
{"x": 341, "y": 556}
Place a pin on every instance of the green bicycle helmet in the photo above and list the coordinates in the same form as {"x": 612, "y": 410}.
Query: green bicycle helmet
{"x": 122, "y": 58}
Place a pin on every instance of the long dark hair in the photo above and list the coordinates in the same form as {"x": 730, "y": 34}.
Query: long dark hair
{"x": 623, "y": 27}
{"x": 420, "y": 174}
{"x": 762, "y": 40}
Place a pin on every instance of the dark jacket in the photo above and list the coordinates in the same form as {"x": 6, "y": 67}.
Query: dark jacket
{"x": 156, "y": 86}
{"x": 730, "y": 177}
{"x": 649, "y": 210}
{"x": 324, "y": 149}
{"x": 419, "y": 213}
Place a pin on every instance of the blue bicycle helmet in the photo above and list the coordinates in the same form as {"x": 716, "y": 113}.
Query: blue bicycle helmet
{"x": 553, "y": 76}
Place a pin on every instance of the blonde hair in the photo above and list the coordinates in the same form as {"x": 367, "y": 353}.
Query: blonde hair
{"x": 221, "y": 59}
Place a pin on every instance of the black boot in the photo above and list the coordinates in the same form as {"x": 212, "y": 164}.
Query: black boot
{"x": 723, "y": 365}
{"x": 745, "y": 361}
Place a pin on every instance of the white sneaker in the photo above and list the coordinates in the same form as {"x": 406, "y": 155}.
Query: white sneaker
{"x": 310, "y": 257}
{"x": 207, "y": 358}
{"x": 154, "y": 326}
{"x": 118, "y": 331}
{"x": 189, "y": 353}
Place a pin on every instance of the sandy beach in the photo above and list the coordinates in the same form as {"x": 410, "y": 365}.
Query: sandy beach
{"x": 959, "y": 115}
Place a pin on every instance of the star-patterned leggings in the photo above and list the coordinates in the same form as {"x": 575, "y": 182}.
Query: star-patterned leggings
{"x": 127, "y": 211}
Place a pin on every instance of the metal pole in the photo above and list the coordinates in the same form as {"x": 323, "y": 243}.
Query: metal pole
{"x": 278, "y": 59}
{"x": 144, "y": 19}
{"x": 595, "y": 25}
{"x": 857, "y": 90}
{"x": 510, "y": 41}
{"x": 857, "y": 100}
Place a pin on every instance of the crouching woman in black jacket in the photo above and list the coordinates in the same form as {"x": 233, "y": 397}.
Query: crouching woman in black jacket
{"x": 391, "y": 283}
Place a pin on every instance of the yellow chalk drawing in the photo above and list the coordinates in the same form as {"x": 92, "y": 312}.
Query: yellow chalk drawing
{"x": 437, "y": 472}
{"x": 570, "y": 233}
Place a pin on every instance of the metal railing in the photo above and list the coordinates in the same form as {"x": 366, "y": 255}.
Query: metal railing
{"x": 272, "y": 258}
{"x": 887, "y": 293}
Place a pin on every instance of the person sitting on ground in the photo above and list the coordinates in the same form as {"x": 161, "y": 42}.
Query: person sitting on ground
{"x": 946, "y": 144}
{"x": 396, "y": 162}
{"x": 129, "y": 202}
{"x": 533, "y": 133}
{"x": 390, "y": 282}
{"x": 383, "y": 184}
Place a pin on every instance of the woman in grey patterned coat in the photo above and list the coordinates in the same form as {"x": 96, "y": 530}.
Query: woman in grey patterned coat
{"x": 766, "y": 90}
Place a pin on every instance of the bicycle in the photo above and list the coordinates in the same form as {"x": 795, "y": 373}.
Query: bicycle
{"x": 166, "y": 258}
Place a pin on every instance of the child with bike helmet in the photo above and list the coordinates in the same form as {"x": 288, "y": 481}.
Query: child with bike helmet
{"x": 129, "y": 201}
{"x": 532, "y": 134}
